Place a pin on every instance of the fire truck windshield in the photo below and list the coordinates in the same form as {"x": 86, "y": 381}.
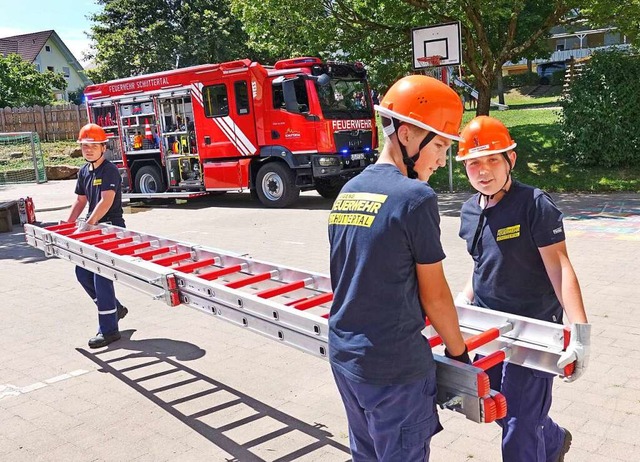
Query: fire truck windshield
{"x": 345, "y": 98}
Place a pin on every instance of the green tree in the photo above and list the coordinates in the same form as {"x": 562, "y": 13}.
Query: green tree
{"x": 22, "y": 85}
{"x": 378, "y": 32}
{"x": 624, "y": 15}
{"x": 131, "y": 38}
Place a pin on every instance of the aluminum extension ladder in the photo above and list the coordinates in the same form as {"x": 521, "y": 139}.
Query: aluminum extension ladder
{"x": 292, "y": 306}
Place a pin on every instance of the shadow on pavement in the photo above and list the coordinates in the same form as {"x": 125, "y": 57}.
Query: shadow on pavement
{"x": 229, "y": 200}
{"x": 208, "y": 406}
{"x": 14, "y": 247}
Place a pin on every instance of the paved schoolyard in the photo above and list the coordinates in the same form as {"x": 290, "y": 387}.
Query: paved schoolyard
{"x": 183, "y": 386}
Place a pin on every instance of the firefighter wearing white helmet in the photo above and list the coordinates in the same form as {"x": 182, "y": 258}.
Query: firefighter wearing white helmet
{"x": 386, "y": 268}
{"x": 515, "y": 235}
{"x": 99, "y": 186}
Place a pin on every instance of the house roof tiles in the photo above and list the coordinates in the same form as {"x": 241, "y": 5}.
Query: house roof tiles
{"x": 26, "y": 45}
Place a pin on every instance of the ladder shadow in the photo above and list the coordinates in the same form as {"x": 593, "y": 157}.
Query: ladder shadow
{"x": 175, "y": 386}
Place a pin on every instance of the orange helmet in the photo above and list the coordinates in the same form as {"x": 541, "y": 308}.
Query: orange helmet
{"x": 424, "y": 102}
{"x": 92, "y": 134}
{"x": 484, "y": 136}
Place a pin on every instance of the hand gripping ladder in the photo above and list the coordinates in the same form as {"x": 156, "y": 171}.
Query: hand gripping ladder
{"x": 292, "y": 306}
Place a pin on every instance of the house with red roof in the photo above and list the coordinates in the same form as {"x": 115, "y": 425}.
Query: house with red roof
{"x": 47, "y": 52}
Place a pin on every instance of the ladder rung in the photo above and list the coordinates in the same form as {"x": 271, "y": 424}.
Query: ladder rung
{"x": 67, "y": 231}
{"x": 171, "y": 259}
{"x": 283, "y": 289}
{"x": 129, "y": 249}
{"x": 215, "y": 274}
{"x": 480, "y": 339}
{"x": 491, "y": 360}
{"x": 487, "y": 336}
{"x": 149, "y": 254}
{"x": 310, "y": 302}
{"x": 60, "y": 226}
{"x": 190, "y": 267}
{"x": 113, "y": 244}
{"x": 98, "y": 239}
{"x": 85, "y": 234}
{"x": 249, "y": 280}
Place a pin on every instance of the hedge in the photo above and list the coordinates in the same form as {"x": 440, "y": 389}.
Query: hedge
{"x": 601, "y": 110}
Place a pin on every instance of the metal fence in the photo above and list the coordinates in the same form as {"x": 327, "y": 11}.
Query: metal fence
{"x": 21, "y": 158}
{"x": 51, "y": 123}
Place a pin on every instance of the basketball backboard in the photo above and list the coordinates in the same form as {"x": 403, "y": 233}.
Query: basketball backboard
{"x": 440, "y": 40}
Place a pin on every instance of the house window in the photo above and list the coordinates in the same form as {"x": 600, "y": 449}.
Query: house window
{"x": 560, "y": 47}
{"x": 37, "y": 65}
{"x": 47, "y": 48}
{"x": 65, "y": 72}
{"x": 50, "y": 68}
{"x": 216, "y": 102}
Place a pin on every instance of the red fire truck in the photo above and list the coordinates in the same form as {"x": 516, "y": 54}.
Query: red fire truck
{"x": 277, "y": 130}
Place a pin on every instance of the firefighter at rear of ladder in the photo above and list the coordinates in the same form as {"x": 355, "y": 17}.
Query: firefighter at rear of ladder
{"x": 99, "y": 185}
{"x": 386, "y": 272}
{"x": 515, "y": 235}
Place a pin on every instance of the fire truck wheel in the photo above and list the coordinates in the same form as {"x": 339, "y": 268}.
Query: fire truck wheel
{"x": 149, "y": 180}
{"x": 276, "y": 185}
{"x": 329, "y": 189}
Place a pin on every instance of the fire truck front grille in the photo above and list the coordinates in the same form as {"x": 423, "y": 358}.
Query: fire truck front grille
{"x": 353, "y": 140}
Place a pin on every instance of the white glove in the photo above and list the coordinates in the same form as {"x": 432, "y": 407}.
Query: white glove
{"x": 461, "y": 299}
{"x": 577, "y": 351}
{"x": 82, "y": 226}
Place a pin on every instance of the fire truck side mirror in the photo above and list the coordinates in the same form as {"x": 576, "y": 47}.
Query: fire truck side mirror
{"x": 323, "y": 80}
{"x": 289, "y": 92}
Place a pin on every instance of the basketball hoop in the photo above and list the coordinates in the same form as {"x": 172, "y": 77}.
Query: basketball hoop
{"x": 431, "y": 66}
{"x": 430, "y": 61}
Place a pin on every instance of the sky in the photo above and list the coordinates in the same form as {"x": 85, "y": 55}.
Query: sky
{"x": 67, "y": 17}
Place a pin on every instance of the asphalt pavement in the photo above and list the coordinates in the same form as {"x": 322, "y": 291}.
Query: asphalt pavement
{"x": 183, "y": 386}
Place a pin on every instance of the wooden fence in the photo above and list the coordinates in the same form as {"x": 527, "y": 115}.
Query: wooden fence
{"x": 53, "y": 123}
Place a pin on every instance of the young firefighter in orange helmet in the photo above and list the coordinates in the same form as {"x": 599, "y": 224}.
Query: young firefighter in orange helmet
{"x": 386, "y": 273}
{"x": 515, "y": 236}
{"x": 99, "y": 185}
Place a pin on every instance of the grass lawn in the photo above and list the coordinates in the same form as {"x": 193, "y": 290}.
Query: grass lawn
{"x": 540, "y": 164}
{"x": 543, "y": 95}
{"x": 54, "y": 154}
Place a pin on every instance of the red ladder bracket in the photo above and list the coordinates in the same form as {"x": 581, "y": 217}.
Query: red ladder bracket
{"x": 569, "y": 368}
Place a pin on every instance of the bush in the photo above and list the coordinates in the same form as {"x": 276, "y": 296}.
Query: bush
{"x": 520, "y": 80}
{"x": 557, "y": 78}
{"x": 600, "y": 112}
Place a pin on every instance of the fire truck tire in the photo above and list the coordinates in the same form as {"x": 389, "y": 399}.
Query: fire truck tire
{"x": 149, "y": 180}
{"x": 329, "y": 189}
{"x": 276, "y": 185}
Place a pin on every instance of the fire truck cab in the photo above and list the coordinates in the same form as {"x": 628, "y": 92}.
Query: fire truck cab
{"x": 277, "y": 130}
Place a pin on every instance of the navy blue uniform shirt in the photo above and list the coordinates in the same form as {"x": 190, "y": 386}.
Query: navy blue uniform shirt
{"x": 381, "y": 225}
{"x": 509, "y": 274}
{"x": 91, "y": 184}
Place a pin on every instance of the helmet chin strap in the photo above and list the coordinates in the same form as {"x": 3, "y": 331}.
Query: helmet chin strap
{"x": 93, "y": 162}
{"x": 410, "y": 162}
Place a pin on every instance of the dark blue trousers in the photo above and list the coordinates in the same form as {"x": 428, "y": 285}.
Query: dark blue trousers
{"x": 101, "y": 291}
{"x": 392, "y": 423}
{"x": 528, "y": 433}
